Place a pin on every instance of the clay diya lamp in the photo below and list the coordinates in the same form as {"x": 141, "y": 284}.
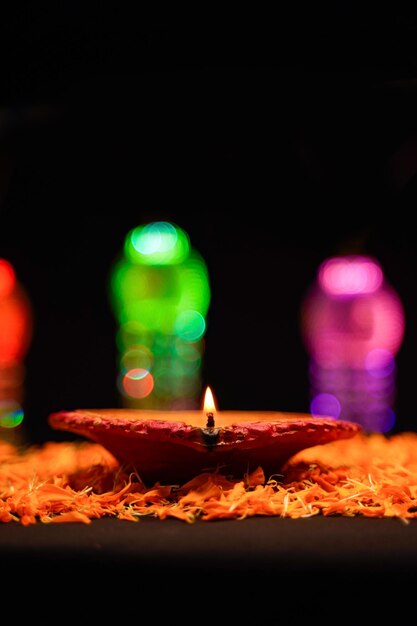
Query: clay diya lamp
{"x": 174, "y": 446}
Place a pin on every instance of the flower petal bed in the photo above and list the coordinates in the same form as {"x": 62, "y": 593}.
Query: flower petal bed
{"x": 369, "y": 475}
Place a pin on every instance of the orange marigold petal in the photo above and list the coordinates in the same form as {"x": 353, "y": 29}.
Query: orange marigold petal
{"x": 71, "y": 516}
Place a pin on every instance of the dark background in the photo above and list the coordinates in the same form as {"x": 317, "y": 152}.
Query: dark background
{"x": 273, "y": 146}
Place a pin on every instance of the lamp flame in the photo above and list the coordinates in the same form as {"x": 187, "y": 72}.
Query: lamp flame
{"x": 209, "y": 404}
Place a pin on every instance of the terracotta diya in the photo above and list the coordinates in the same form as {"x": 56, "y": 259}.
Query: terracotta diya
{"x": 174, "y": 446}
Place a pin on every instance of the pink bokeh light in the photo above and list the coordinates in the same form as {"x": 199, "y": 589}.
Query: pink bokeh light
{"x": 350, "y": 275}
{"x": 353, "y": 325}
{"x": 344, "y": 330}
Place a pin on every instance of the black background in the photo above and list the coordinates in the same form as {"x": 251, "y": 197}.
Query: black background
{"x": 273, "y": 145}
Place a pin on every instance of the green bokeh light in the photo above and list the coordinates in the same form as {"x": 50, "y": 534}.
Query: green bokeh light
{"x": 188, "y": 351}
{"x": 158, "y": 243}
{"x": 156, "y": 296}
{"x": 129, "y": 334}
{"x": 11, "y": 414}
{"x": 160, "y": 294}
{"x": 194, "y": 285}
{"x": 136, "y": 357}
{"x": 190, "y": 325}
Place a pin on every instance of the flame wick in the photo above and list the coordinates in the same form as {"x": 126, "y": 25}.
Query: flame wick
{"x": 209, "y": 408}
{"x": 210, "y": 420}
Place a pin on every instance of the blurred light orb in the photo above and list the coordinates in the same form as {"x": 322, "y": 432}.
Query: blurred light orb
{"x": 157, "y": 243}
{"x": 11, "y": 414}
{"x": 15, "y": 317}
{"x": 353, "y": 325}
{"x": 325, "y": 405}
{"x": 350, "y": 312}
{"x": 7, "y": 278}
{"x": 380, "y": 363}
{"x": 138, "y": 383}
{"x": 160, "y": 293}
{"x": 190, "y": 325}
{"x": 350, "y": 275}
{"x": 136, "y": 357}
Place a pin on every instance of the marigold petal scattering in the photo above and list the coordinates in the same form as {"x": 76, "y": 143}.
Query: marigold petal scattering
{"x": 370, "y": 475}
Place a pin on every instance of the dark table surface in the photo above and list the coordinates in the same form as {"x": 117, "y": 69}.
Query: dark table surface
{"x": 255, "y": 545}
{"x": 259, "y": 570}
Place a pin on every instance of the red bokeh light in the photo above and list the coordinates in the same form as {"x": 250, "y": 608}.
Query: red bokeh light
{"x": 7, "y": 278}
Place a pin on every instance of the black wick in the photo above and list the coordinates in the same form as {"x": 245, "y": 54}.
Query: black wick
{"x": 210, "y": 420}
{"x": 210, "y": 433}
